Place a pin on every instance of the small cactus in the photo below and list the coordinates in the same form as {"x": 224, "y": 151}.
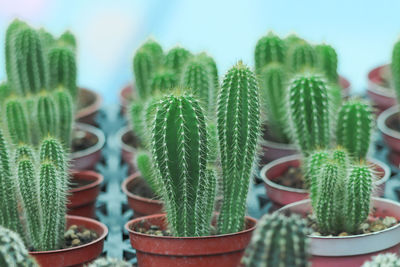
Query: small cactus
{"x": 327, "y": 62}
{"x": 292, "y": 40}
{"x": 213, "y": 69}
{"x": 395, "y": 67}
{"x": 163, "y": 82}
{"x": 12, "y": 250}
{"x": 17, "y": 123}
{"x": 269, "y": 48}
{"x": 302, "y": 57}
{"x": 354, "y": 127}
{"x": 238, "y": 124}
{"x": 176, "y": 59}
{"x": 65, "y": 115}
{"x": 278, "y": 241}
{"x": 46, "y": 116}
{"x": 383, "y": 260}
{"x": 109, "y": 262}
{"x": 144, "y": 69}
{"x": 145, "y": 167}
{"x": 155, "y": 50}
{"x": 68, "y": 38}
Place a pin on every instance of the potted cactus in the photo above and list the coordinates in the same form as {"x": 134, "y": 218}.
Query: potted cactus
{"x": 190, "y": 233}
{"x": 276, "y": 61}
{"x": 349, "y": 225}
{"x": 311, "y": 121}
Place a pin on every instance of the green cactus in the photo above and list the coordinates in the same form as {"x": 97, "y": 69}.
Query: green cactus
{"x": 5, "y": 92}
{"x": 354, "y": 127}
{"x": 292, "y": 40}
{"x": 68, "y": 38}
{"x": 46, "y": 38}
{"x": 163, "y": 81}
{"x": 146, "y": 169}
{"x": 47, "y": 116}
{"x": 273, "y": 83}
{"x": 269, "y": 48}
{"x": 212, "y": 68}
{"x": 395, "y": 67}
{"x": 302, "y": 57}
{"x": 16, "y": 121}
{"x": 65, "y": 116}
{"x": 109, "y": 262}
{"x": 155, "y": 51}
{"x": 238, "y": 124}
{"x": 176, "y": 59}
{"x": 137, "y": 120}
{"x": 313, "y": 166}
{"x": 308, "y": 108}
{"x": 383, "y": 260}
{"x": 180, "y": 154}
{"x": 327, "y": 62}
{"x": 144, "y": 69}
{"x": 12, "y": 250}
{"x": 278, "y": 241}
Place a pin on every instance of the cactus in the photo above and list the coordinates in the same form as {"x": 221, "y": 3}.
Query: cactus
{"x": 327, "y": 62}
{"x": 273, "y": 82}
{"x": 269, "y": 48}
{"x": 4, "y": 92}
{"x": 155, "y": 51}
{"x": 143, "y": 68}
{"x": 395, "y": 67}
{"x": 308, "y": 109}
{"x": 46, "y": 38}
{"x": 354, "y": 127}
{"x": 180, "y": 154}
{"x": 292, "y": 40}
{"x": 278, "y": 241}
{"x": 238, "y": 124}
{"x": 314, "y": 164}
{"x": 176, "y": 59}
{"x": 145, "y": 167}
{"x": 213, "y": 69}
{"x": 17, "y": 124}
{"x": 65, "y": 116}
{"x": 109, "y": 262}
{"x": 383, "y": 260}
{"x": 68, "y": 38}
{"x": 46, "y": 116}
{"x": 163, "y": 81}
{"x": 301, "y": 57}
{"x": 137, "y": 120}
{"x": 12, "y": 250}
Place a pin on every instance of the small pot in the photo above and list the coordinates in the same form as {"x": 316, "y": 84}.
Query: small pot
{"x": 390, "y": 136}
{"x": 82, "y": 200}
{"x": 282, "y": 195}
{"x": 125, "y": 97}
{"x": 353, "y": 250}
{"x": 128, "y": 151}
{"x": 89, "y": 102}
{"x": 382, "y": 97}
{"x": 141, "y": 206}
{"x": 166, "y": 251}
{"x": 87, "y": 159}
{"x": 76, "y": 256}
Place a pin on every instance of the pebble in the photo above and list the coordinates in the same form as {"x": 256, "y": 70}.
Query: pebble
{"x": 343, "y": 234}
{"x": 389, "y": 221}
{"x": 75, "y": 242}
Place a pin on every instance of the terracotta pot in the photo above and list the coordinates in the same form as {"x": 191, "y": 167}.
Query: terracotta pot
{"x": 82, "y": 200}
{"x": 125, "y": 97}
{"x": 353, "y": 250}
{"x": 391, "y": 136}
{"x": 382, "y": 97}
{"x": 90, "y": 103}
{"x": 128, "y": 151}
{"x": 87, "y": 159}
{"x": 345, "y": 84}
{"x": 206, "y": 251}
{"x": 141, "y": 206}
{"x": 76, "y": 256}
{"x": 282, "y": 195}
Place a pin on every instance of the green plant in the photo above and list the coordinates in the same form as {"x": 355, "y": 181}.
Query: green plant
{"x": 269, "y": 48}
{"x": 16, "y": 122}
{"x": 68, "y": 38}
{"x": 213, "y": 69}
{"x": 327, "y": 62}
{"x": 155, "y": 50}
{"x": 292, "y": 40}
{"x": 109, "y": 262}
{"x": 46, "y": 116}
{"x": 12, "y": 250}
{"x": 146, "y": 169}
{"x": 180, "y": 152}
{"x": 238, "y": 124}
{"x": 278, "y": 241}
{"x": 64, "y": 116}
{"x": 143, "y": 68}
{"x": 383, "y": 260}
{"x": 301, "y": 57}
{"x": 163, "y": 81}
{"x": 395, "y": 67}
{"x": 176, "y": 58}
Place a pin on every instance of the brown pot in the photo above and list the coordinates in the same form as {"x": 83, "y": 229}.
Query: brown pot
{"x": 383, "y": 97}
{"x": 125, "y": 97}
{"x": 89, "y": 103}
{"x": 129, "y": 145}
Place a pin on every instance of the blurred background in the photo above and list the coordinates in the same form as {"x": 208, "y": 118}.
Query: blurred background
{"x": 108, "y": 32}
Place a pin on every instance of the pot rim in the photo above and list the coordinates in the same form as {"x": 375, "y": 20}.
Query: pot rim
{"x": 99, "y": 179}
{"x": 124, "y": 186}
{"x": 383, "y": 117}
{"x": 101, "y": 237}
{"x": 277, "y": 145}
{"x": 129, "y": 223}
{"x": 386, "y": 170}
{"x": 378, "y": 88}
{"x": 124, "y": 130}
{"x": 122, "y": 99}
{"x": 101, "y": 139}
{"x": 92, "y": 107}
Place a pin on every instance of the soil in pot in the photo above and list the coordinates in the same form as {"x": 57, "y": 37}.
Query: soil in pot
{"x": 130, "y": 140}
{"x": 82, "y": 140}
{"x": 142, "y": 189}
{"x": 85, "y": 99}
{"x": 78, "y": 235}
{"x": 393, "y": 123}
{"x": 77, "y": 183}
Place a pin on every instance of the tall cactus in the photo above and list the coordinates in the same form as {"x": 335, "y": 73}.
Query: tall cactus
{"x": 213, "y": 69}
{"x": 46, "y": 116}
{"x": 301, "y": 57}
{"x": 395, "y": 67}
{"x": 269, "y": 48}
{"x": 327, "y": 62}
{"x": 308, "y": 109}
{"x": 65, "y": 116}
{"x": 68, "y": 38}
{"x": 145, "y": 167}
{"x": 155, "y": 51}
{"x": 278, "y": 241}
{"x": 238, "y": 120}
{"x": 354, "y": 127}
{"x": 16, "y": 121}
{"x": 5, "y": 92}
{"x": 176, "y": 58}
{"x": 163, "y": 81}
{"x": 143, "y": 68}
{"x": 180, "y": 153}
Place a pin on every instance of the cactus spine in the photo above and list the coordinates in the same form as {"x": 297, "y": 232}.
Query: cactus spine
{"x": 176, "y": 59}
{"x": 327, "y": 62}
{"x": 395, "y": 66}
{"x": 302, "y": 56}
{"x": 180, "y": 153}
{"x": 238, "y": 120}
{"x": 354, "y": 127}
{"x": 269, "y": 48}
{"x": 383, "y": 260}
{"x": 278, "y": 241}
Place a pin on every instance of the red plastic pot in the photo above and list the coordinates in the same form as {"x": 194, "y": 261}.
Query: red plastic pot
{"x": 352, "y": 251}
{"x": 390, "y": 136}
{"x": 82, "y": 200}
{"x": 206, "y": 251}
{"x": 383, "y": 98}
{"x": 282, "y": 195}
{"x": 128, "y": 151}
{"x": 76, "y": 256}
{"x": 90, "y": 103}
{"x": 125, "y": 97}
{"x": 87, "y": 159}
{"x": 140, "y": 205}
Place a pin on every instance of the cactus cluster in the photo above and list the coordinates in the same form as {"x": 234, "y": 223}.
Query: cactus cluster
{"x": 109, "y": 262}
{"x": 270, "y": 48}
{"x": 278, "y": 241}
{"x": 13, "y": 251}
{"x": 383, "y": 260}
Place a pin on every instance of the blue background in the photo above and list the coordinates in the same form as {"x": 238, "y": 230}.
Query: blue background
{"x": 108, "y": 32}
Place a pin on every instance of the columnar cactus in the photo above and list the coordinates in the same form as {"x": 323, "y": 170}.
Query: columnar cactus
{"x": 163, "y": 81}
{"x": 144, "y": 69}
{"x": 292, "y": 40}
{"x": 354, "y": 127}
{"x": 383, "y": 260}
{"x": 4, "y": 92}
{"x": 12, "y": 250}
{"x": 176, "y": 58}
{"x": 145, "y": 167}
{"x": 46, "y": 116}
{"x": 395, "y": 66}
{"x": 238, "y": 124}
{"x": 278, "y": 241}
{"x": 213, "y": 69}
{"x": 269, "y": 48}
{"x": 301, "y": 57}
{"x": 327, "y": 62}
{"x": 109, "y": 262}
{"x": 65, "y": 115}
{"x": 155, "y": 50}
{"x": 273, "y": 83}
{"x": 68, "y": 38}
{"x": 16, "y": 122}
{"x": 180, "y": 154}
{"x": 308, "y": 108}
